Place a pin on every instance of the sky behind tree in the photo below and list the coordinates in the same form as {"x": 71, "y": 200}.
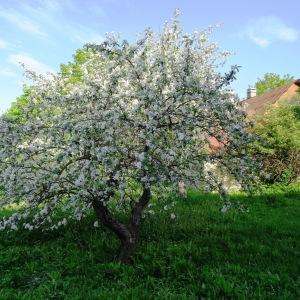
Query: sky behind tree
{"x": 263, "y": 36}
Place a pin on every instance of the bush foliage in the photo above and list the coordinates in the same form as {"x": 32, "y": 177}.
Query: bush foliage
{"x": 278, "y": 148}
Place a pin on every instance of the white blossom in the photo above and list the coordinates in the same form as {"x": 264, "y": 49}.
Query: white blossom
{"x": 139, "y": 117}
{"x": 225, "y": 208}
{"x": 173, "y": 216}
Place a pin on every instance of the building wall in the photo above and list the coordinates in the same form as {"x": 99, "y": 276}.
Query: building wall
{"x": 291, "y": 92}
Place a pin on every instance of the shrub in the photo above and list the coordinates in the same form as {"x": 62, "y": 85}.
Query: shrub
{"x": 278, "y": 147}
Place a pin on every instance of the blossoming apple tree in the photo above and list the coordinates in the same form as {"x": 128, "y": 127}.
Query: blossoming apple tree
{"x": 138, "y": 120}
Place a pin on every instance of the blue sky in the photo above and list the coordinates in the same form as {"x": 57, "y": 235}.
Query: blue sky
{"x": 264, "y": 36}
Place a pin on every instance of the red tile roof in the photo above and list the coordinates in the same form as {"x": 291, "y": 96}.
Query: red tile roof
{"x": 257, "y": 104}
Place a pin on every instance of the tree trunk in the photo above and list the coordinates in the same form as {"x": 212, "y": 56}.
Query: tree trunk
{"x": 127, "y": 235}
{"x": 127, "y": 250}
{"x": 129, "y": 245}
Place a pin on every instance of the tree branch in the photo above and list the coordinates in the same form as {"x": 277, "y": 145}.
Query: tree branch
{"x": 107, "y": 220}
{"x": 137, "y": 211}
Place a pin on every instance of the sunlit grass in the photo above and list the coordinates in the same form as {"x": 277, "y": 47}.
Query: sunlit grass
{"x": 201, "y": 254}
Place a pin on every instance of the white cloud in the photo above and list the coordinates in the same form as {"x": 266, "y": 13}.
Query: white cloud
{"x": 267, "y": 30}
{"x": 30, "y": 63}
{"x": 2, "y": 44}
{"x": 46, "y": 18}
{"x": 260, "y": 41}
{"x": 7, "y": 72}
{"x": 22, "y": 22}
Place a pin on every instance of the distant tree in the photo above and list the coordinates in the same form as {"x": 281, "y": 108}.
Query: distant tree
{"x": 278, "y": 148}
{"x": 135, "y": 120}
{"x": 17, "y": 108}
{"x": 271, "y": 81}
{"x": 72, "y": 72}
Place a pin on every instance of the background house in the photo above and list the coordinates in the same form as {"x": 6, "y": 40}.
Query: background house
{"x": 257, "y": 104}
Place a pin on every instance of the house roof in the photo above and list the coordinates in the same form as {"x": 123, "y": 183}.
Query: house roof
{"x": 256, "y": 104}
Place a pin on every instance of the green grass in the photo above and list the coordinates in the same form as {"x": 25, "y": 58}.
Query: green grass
{"x": 203, "y": 254}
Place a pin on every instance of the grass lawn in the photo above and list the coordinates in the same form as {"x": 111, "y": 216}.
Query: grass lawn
{"x": 202, "y": 254}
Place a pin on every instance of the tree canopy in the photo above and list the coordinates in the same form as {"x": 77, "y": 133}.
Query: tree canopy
{"x": 134, "y": 119}
{"x": 279, "y": 145}
{"x": 271, "y": 81}
{"x": 71, "y": 71}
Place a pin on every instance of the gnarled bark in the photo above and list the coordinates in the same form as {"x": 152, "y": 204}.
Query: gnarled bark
{"x": 127, "y": 235}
